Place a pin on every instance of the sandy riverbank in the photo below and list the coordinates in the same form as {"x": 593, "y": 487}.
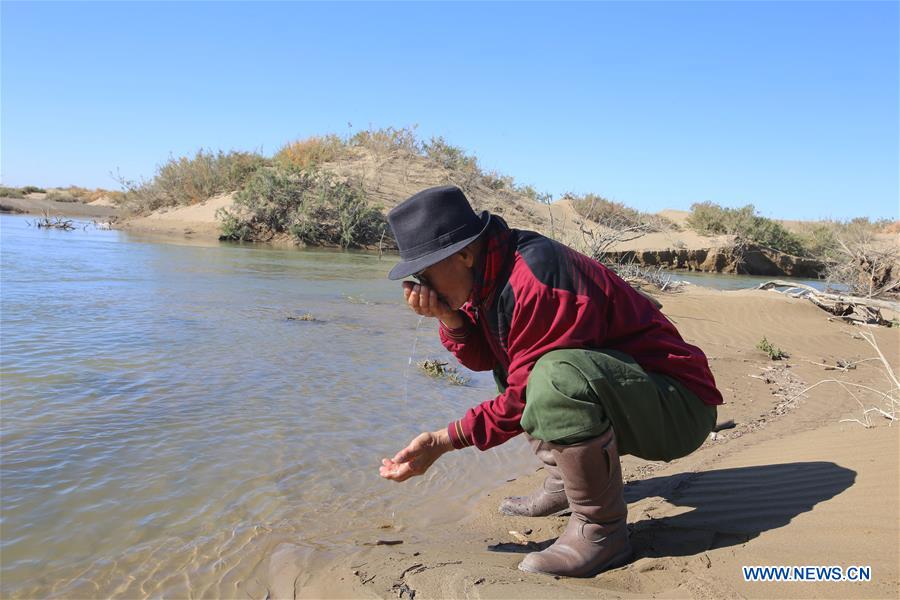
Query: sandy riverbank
{"x": 36, "y": 204}
{"x": 790, "y": 485}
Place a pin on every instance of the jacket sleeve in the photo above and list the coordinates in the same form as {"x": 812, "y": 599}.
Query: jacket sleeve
{"x": 543, "y": 319}
{"x": 468, "y": 344}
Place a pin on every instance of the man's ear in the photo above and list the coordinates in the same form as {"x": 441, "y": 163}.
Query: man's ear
{"x": 467, "y": 255}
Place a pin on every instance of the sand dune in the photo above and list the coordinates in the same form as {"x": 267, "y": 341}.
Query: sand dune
{"x": 198, "y": 220}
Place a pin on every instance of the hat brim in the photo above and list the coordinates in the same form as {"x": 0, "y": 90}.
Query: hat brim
{"x": 408, "y": 267}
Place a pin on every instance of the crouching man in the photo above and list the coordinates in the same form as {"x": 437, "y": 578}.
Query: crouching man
{"x": 588, "y": 368}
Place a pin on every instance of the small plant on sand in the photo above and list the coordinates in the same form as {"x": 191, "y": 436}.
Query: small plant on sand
{"x": 774, "y": 352}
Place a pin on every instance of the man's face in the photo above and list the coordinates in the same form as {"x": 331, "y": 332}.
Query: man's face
{"x": 451, "y": 278}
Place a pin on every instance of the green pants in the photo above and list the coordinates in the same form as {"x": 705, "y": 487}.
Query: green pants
{"x": 574, "y": 395}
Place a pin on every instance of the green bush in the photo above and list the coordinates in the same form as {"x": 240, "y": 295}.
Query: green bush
{"x": 711, "y": 219}
{"x": 316, "y": 208}
{"x": 33, "y": 189}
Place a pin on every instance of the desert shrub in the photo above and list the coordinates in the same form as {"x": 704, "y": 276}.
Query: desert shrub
{"x": 33, "y": 189}
{"x": 235, "y": 228}
{"x": 820, "y": 239}
{"x": 495, "y": 181}
{"x": 528, "y": 191}
{"x": 890, "y": 226}
{"x": 316, "y": 208}
{"x": 309, "y": 153}
{"x": 617, "y": 215}
{"x": 599, "y": 209}
{"x": 660, "y": 222}
{"x": 712, "y": 219}
{"x": 389, "y": 139}
{"x": 11, "y": 192}
{"x": 191, "y": 180}
{"x": 61, "y": 196}
{"x": 86, "y": 195}
{"x": 865, "y": 266}
{"x": 450, "y": 157}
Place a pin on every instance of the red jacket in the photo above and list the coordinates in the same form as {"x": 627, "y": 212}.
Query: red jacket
{"x": 535, "y": 295}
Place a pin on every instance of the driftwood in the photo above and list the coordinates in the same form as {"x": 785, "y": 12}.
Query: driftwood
{"x": 48, "y": 222}
{"x": 850, "y": 308}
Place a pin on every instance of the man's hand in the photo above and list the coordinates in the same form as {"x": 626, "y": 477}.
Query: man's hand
{"x": 417, "y": 456}
{"x": 425, "y": 301}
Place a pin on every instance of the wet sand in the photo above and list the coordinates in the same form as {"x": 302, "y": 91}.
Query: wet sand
{"x": 789, "y": 485}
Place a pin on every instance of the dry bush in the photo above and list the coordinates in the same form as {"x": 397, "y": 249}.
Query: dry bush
{"x": 185, "y": 181}
{"x": 637, "y": 275}
{"x": 600, "y": 210}
{"x": 306, "y": 154}
{"x": 86, "y": 195}
{"x": 61, "y": 196}
{"x": 11, "y": 192}
{"x": 599, "y": 241}
{"x": 867, "y": 268}
{"x": 617, "y": 224}
{"x": 388, "y": 140}
{"x": 891, "y": 227}
{"x": 883, "y": 403}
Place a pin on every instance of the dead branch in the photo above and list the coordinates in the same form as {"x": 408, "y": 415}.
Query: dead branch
{"x": 851, "y": 308}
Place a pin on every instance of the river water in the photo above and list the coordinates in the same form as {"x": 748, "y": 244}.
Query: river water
{"x": 166, "y": 425}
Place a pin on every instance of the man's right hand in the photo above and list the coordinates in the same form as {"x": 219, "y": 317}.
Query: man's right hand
{"x": 424, "y": 301}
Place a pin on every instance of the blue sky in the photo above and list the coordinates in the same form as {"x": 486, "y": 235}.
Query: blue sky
{"x": 790, "y": 106}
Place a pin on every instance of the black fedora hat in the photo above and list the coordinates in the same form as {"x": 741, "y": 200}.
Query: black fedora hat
{"x": 432, "y": 225}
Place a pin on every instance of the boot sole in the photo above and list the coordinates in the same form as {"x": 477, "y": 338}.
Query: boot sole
{"x": 614, "y": 563}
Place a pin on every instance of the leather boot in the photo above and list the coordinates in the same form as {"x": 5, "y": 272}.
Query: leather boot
{"x": 596, "y": 537}
{"x": 549, "y": 499}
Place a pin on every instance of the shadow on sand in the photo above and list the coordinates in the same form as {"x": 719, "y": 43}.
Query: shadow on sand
{"x": 724, "y": 507}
